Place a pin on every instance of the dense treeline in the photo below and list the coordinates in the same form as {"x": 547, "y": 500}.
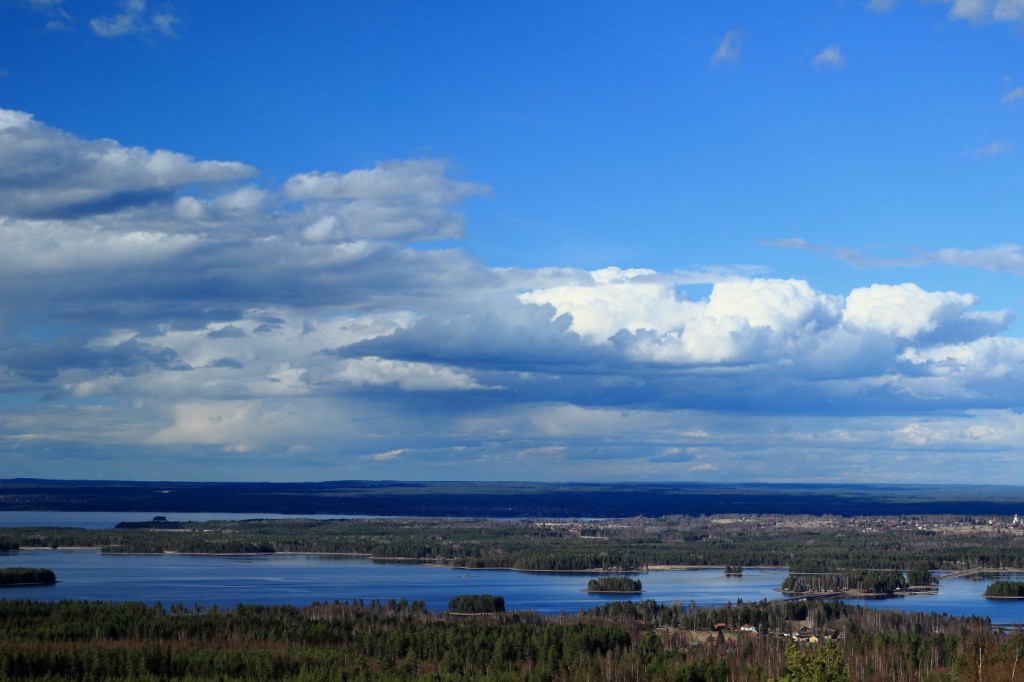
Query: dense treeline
{"x": 919, "y": 576}
{"x": 804, "y": 544}
{"x": 1005, "y": 589}
{"x": 21, "y": 575}
{"x": 476, "y": 603}
{"x": 855, "y": 580}
{"x": 400, "y": 640}
{"x": 615, "y": 583}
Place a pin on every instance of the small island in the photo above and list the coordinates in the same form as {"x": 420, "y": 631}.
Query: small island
{"x": 21, "y": 576}
{"x": 1005, "y": 589}
{"x": 615, "y": 585}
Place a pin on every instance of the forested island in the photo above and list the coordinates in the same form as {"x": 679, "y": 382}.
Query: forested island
{"x": 804, "y": 544}
{"x": 615, "y": 584}
{"x": 20, "y": 575}
{"x": 1005, "y": 589}
{"x": 399, "y": 640}
{"x": 851, "y": 583}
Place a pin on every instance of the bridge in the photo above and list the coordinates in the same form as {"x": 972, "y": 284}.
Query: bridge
{"x": 975, "y": 571}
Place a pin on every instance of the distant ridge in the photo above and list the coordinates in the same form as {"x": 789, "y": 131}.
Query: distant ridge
{"x": 507, "y": 499}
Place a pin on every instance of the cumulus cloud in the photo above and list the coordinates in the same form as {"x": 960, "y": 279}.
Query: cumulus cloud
{"x": 408, "y": 199}
{"x": 653, "y": 321}
{"x": 989, "y": 357}
{"x": 48, "y": 246}
{"x": 203, "y": 312}
{"x": 903, "y": 310}
{"x": 829, "y": 58}
{"x": 615, "y": 300}
{"x": 243, "y": 202}
{"x": 730, "y": 48}
{"x": 53, "y": 174}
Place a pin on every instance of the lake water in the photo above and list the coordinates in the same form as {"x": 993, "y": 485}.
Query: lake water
{"x": 302, "y": 579}
{"x": 102, "y": 520}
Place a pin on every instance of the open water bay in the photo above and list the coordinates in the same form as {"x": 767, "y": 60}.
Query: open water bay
{"x": 300, "y": 579}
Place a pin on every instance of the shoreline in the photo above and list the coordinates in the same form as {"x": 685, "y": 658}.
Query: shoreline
{"x": 444, "y": 563}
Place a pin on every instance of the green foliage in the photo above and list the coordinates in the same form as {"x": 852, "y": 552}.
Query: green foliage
{"x": 615, "y": 583}
{"x": 921, "y": 576}
{"x": 1005, "y": 589}
{"x": 825, "y": 663}
{"x": 400, "y": 640}
{"x": 476, "y": 603}
{"x": 27, "y": 576}
{"x": 868, "y": 582}
{"x": 804, "y": 544}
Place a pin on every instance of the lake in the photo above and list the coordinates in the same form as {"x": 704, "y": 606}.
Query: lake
{"x": 102, "y": 520}
{"x": 302, "y": 579}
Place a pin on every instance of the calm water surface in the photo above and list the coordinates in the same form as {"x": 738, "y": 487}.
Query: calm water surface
{"x": 103, "y": 520}
{"x": 302, "y": 579}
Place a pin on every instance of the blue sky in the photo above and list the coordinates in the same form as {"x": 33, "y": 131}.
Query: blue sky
{"x": 587, "y": 241}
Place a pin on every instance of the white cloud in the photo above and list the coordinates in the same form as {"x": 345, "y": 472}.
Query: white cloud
{"x": 52, "y": 246}
{"x": 986, "y": 358}
{"x": 407, "y": 199}
{"x": 985, "y": 11}
{"x": 134, "y": 19}
{"x": 780, "y": 305}
{"x": 54, "y": 174}
{"x": 1013, "y": 95}
{"x": 994, "y": 149}
{"x": 243, "y": 202}
{"x": 730, "y": 48}
{"x": 1003, "y": 258}
{"x": 829, "y": 58}
{"x": 271, "y": 319}
{"x": 999, "y": 429}
{"x": 409, "y": 376}
{"x": 165, "y": 23}
{"x": 389, "y": 456}
{"x": 903, "y": 310}
{"x": 58, "y": 18}
{"x": 734, "y": 324}
{"x": 234, "y": 424}
{"x": 617, "y": 299}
